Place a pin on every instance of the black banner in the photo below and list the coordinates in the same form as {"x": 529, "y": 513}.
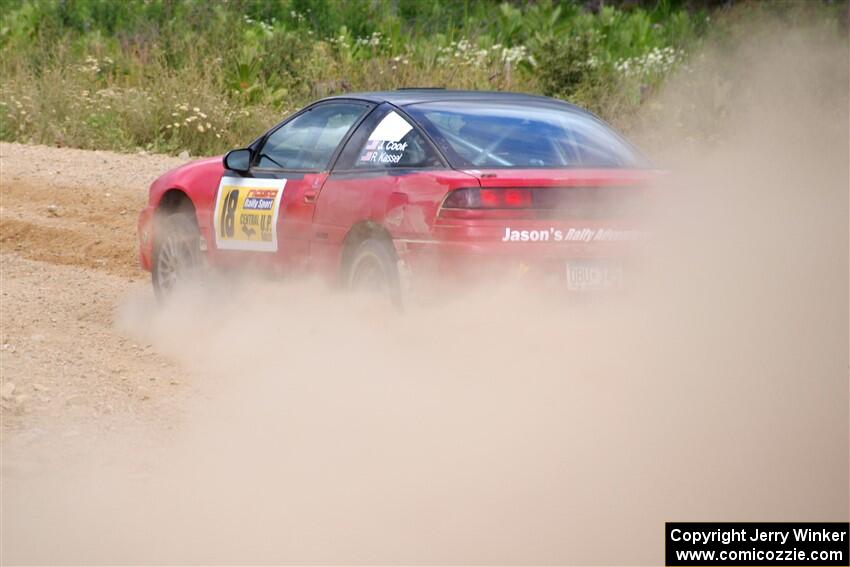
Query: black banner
{"x": 756, "y": 543}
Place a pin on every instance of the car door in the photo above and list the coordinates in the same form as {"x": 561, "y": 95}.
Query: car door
{"x": 263, "y": 216}
{"x": 390, "y": 174}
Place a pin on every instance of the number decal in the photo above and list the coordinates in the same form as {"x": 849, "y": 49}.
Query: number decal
{"x": 228, "y": 213}
{"x": 246, "y": 214}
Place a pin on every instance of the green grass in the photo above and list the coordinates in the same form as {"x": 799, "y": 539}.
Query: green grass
{"x": 206, "y": 75}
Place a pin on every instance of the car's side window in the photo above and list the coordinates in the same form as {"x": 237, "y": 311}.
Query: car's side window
{"x": 309, "y": 140}
{"x": 392, "y": 142}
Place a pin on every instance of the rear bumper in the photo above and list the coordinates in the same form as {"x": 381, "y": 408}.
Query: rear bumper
{"x": 540, "y": 263}
{"x": 516, "y": 248}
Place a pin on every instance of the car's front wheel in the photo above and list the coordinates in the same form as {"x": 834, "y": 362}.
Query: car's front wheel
{"x": 373, "y": 269}
{"x": 176, "y": 252}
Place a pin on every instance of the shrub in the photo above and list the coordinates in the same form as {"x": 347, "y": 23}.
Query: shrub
{"x": 204, "y": 76}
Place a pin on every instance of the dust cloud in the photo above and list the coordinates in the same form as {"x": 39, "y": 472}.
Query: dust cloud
{"x": 502, "y": 426}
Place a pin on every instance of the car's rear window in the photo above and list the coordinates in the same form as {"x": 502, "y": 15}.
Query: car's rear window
{"x": 499, "y": 135}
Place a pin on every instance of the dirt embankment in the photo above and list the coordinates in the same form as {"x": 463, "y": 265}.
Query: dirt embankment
{"x": 75, "y": 207}
{"x": 69, "y": 256}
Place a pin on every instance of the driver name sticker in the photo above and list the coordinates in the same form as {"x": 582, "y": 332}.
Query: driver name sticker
{"x": 381, "y": 151}
{"x": 246, "y": 213}
{"x": 384, "y": 144}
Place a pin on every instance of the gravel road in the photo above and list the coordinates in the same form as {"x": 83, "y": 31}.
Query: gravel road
{"x": 69, "y": 258}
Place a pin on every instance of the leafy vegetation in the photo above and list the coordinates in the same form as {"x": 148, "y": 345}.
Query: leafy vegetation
{"x": 207, "y": 75}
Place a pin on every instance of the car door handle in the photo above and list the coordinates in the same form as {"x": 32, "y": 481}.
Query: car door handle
{"x": 310, "y": 195}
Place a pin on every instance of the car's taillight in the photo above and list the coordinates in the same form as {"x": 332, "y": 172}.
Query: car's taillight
{"x": 475, "y": 198}
{"x": 580, "y": 202}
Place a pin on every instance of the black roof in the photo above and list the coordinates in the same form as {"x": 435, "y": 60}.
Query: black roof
{"x": 404, "y": 97}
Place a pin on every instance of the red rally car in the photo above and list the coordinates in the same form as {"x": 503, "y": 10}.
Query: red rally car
{"x": 373, "y": 189}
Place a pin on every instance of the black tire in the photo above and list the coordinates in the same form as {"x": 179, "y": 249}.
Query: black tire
{"x": 373, "y": 268}
{"x": 176, "y": 252}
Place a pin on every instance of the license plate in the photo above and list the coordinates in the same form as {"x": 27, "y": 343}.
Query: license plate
{"x": 591, "y": 275}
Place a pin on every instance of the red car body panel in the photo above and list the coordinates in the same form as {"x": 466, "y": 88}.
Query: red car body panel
{"x": 319, "y": 211}
{"x": 198, "y": 180}
{"x": 294, "y": 228}
{"x": 470, "y": 243}
{"x": 405, "y": 205}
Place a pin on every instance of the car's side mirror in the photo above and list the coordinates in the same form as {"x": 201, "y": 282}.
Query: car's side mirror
{"x": 238, "y": 160}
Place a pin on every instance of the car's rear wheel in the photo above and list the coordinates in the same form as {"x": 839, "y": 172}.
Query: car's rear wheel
{"x": 176, "y": 252}
{"x": 373, "y": 269}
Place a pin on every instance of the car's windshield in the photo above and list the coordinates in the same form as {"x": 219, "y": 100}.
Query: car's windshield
{"x": 484, "y": 135}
